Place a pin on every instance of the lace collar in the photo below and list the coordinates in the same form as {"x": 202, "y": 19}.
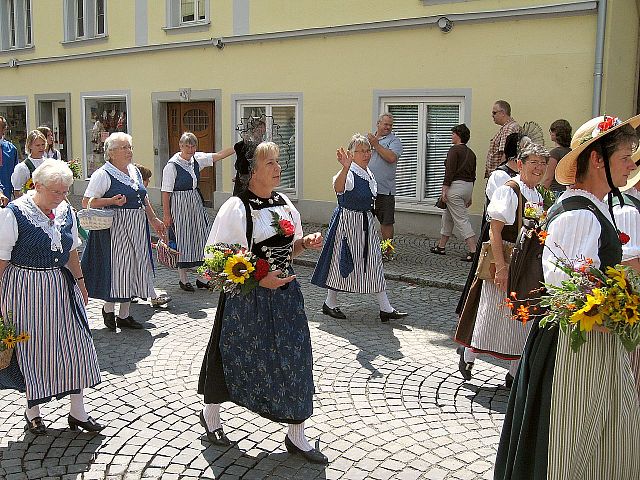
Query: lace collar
{"x": 365, "y": 175}
{"x": 258, "y": 203}
{"x": 577, "y": 192}
{"x": 186, "y": 164}
{"x": 132, "y": 180}
{"x": 37, "y": 218}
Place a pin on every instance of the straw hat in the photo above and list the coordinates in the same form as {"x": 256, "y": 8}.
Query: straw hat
{"x": 588, "y": 133}
{"x": 635, "y": 175}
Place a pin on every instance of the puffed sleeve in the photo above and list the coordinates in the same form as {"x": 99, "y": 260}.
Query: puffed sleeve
{"x": 230, "y": 225}
{"x": 99, "y": 183}
{"x": 503, "y": 205}
{"x": 628, "y": 221}
{"x": 74, "y": 231}
{"x": 348, "y": 184}
{"x": 169, "y": 174}
{"x": 8, "y": 233}
{"x": 496, "y": 179}
{"x": 19, "y": 176}
{"x": 204, "y": 159}
{"x": 297, "y": 220}
{"x": 573, "y": 235}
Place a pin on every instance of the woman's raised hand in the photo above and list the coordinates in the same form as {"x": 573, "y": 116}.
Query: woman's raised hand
{"x": 273, "y": 280}
{"x": 344, "y": 157}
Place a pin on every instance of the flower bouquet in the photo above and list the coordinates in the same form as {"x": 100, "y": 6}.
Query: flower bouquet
{"x": 75, "y": 167}
{"x": 232, "y": 268}
{"x": 388, "y": 249}
{"x": 591, "y": 298}
{"x": 8, "y": 341}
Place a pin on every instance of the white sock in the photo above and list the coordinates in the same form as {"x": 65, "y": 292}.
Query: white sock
{"x": 109, "y": 307}
{"x": 469, "y": 355}
{"x": 211, "y": 413}
{"x": 124, "y": 310}
{"x": 32, "y": 412}
{"x": 332, "y": 298}
{"x": 296, "y": 435}
{"x": 182, "y": 273}
{"x": 383, "y": 301}
{"x": 77, "y": 407}
{"x": 513, "y": 367}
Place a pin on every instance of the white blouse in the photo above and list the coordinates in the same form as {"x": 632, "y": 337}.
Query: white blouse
{"x": 504, "y": 202}
{"x": 356, "y": 169}
{"x": 100, "y": 180}
{"x": 496, "y": 179}
{"x": 21, "y": 173}
{"x": 628, "y": 220}
{"x": 169, "y": 173}
{"x": 9, "y": 225}
{"x": 573, "y": 235}
{"x": 230, "y": 223}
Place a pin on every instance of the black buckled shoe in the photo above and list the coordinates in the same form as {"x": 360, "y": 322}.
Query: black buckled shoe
{"x": 35, "y": 426}
{"x": 333, "y": 312}
{"x": 187, "y": 287}
{"x": 313, "y": 455}
{"x": 90, "y": 425}
{"x": 464, "y": 367}
{"x": 128, "y": 322}
{"x": 206, "y": 285}
{"x": 217, "y": 436}
{"x": 109, "y": 320}
{"x": 395, "y": 315}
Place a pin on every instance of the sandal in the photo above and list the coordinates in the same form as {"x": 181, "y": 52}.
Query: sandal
{"x": 437, "y": 250}
{"x": 468, "y": 257}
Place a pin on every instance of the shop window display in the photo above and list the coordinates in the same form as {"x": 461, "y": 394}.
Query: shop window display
{"x": 16, "y": 131}
{"x": 103, "y": 117}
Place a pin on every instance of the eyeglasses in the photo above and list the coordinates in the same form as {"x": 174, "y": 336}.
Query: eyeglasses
{"x": 494, "y": 113}
{"x": 362, "y": 151}
{"x": 123, "y": 148}
{"x": 536, "y": 163}
{"x": 58, "y": 192}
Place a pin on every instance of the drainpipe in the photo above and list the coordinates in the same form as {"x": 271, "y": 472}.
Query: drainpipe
{"x": 597, "y": 72}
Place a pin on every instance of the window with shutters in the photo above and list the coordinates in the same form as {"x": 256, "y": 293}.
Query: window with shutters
{"x": 424, "y": 127}
{"x": 281, "y": 127}
{"x": 15, "y": 24}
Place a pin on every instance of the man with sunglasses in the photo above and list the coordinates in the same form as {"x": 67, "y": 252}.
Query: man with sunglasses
{"x": 501, "y": 113}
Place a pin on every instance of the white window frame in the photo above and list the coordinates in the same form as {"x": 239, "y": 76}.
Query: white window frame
{"x": 174, "y": 15}
{"x": 382, "y": 101}
{"x": 16, "y": 24}
{"x": 90, "y": 21}
{"x": 269, "y": 101}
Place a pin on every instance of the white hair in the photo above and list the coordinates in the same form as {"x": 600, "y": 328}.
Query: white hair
{"x": 188, "y": 139}
{"x": 115, "y": 137}
{"x": 358, "y": 139}
{"x": 53, "y": 171}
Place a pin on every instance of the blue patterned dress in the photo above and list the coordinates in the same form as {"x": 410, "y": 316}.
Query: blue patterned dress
{"x": 259, "y": 354}
{"x": 43, "y": 300}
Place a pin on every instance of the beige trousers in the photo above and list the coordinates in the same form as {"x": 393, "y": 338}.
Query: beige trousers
{"x": 456, "y": 214}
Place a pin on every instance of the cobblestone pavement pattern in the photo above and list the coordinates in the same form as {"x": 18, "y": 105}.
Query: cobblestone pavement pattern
{"x": 389, "y": 403}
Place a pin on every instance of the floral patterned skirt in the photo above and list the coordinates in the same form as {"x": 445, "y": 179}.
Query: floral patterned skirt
{"x": 259, "y": 355}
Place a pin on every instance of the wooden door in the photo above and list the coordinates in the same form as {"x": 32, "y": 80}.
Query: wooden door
{"x": 197, "y": 118}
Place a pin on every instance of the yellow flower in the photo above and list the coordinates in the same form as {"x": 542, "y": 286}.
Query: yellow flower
{"x": 589, "y": 315}
{"x": 9, "y": 341}
{"x": 23, "y": 337}
{"x": 617, "y": 277}
{"x": 238, "y": 268}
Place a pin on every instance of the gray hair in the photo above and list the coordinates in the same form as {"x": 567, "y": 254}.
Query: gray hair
{"x": 527, "y": 148}
{"x": 358, "y": 139}
{"x": 111, "y": 139}
{"x": 188, "y": 139}
{"x": 53, "y": 171}
{"x": 385, "y": 114}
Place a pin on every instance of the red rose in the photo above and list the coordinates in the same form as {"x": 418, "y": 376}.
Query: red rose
{"x": 624, "y": 238}
{"x": 287, "y": 227}
{"x": 262, "y": 268}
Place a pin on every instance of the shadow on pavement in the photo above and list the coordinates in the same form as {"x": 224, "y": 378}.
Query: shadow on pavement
{"x": 120, "y": 351}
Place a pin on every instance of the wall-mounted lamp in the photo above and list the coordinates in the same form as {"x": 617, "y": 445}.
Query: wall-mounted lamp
{"x": 445, "y": 24}
{"x": 13, "y": 62}
{"x": 219, "y": 43}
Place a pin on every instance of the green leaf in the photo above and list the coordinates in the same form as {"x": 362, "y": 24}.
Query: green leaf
{"x": 577, "y": 338}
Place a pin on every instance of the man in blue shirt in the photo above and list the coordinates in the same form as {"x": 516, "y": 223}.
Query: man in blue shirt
{"x": 8, "y": 159}
{"x": 387, "y": 149}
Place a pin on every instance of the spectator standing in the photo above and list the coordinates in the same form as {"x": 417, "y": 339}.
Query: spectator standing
{"x": 501, "y": 113}
{"x": 386, "y": 151}
{"x": 560, "y": 132}
{"x": 8, "y": 160}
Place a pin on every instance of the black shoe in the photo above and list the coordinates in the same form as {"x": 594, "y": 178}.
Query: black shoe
{"x": 134, "y": 299}
{"x": 200, "y": 284}
{"x": 464, "y": 367}
{"x": 333, "y": 312}
{"x": 187, "y": 287}
{"x": 508, "y": 380}
{"x": 313, "y": 455}
{"x": 217, "y": 436}
{"x": 395, "y": 315}
{"x": 128, "y": 322}
{"x": 35, "y": 426}
{"x": 109, "y": 320}
{"x": 89, "y": 426}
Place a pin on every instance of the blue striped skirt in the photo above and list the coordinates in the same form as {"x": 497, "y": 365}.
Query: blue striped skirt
{"x": 191, "y": 225}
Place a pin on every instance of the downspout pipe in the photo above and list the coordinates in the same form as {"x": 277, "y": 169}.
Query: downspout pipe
{"x": 598, "y": 68}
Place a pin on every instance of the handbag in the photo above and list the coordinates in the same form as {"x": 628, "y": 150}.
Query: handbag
{"x": 95, "y": 218}
{"x": 167, "y": 256}
{"x": 440, "y": 203}
{"x": 486, "y": 264}
{"x": 5, "y": 358}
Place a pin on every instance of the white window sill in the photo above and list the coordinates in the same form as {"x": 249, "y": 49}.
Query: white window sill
{"x": 80, "y": 41}
{"x": 26, "y": 48}
{"x": 188, "y": 26}
{"x": 425, "y": 206}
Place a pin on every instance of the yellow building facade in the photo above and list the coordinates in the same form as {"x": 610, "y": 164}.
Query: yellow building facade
{"x": 318, "y": 71}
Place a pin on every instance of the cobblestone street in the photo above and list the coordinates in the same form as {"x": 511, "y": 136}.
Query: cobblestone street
{"x": 389, "y": 403}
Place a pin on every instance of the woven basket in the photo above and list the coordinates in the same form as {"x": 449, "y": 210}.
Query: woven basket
{"x": 5, "y": 358}
{"x": 95, "y": 218}
{"x": 167, "y": 256}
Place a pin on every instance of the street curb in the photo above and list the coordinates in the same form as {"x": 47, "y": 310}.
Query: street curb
{"x": 423, "y": 282}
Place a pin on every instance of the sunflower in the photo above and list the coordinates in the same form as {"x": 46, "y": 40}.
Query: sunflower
{"x": 589, "y": 314}
{"x": 23, "y": 337}
{"x": 617, "y": 277}
{"x": 238, "y": 268}
{"x": 9, "y": 341}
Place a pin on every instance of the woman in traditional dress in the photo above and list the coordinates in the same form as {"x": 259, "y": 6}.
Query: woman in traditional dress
{"x": 259, "y": 355}
{"x": 50, "y": 150}
{"x": 351, "y": 259}
{"x": 183, "y": 209}
{"x": 485, "y": 324}
{"x": 34, "y": 147}
{"x": 576, "y": 415}
{"x": 117, "y": 262}
{"x": 42, "y": 292}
